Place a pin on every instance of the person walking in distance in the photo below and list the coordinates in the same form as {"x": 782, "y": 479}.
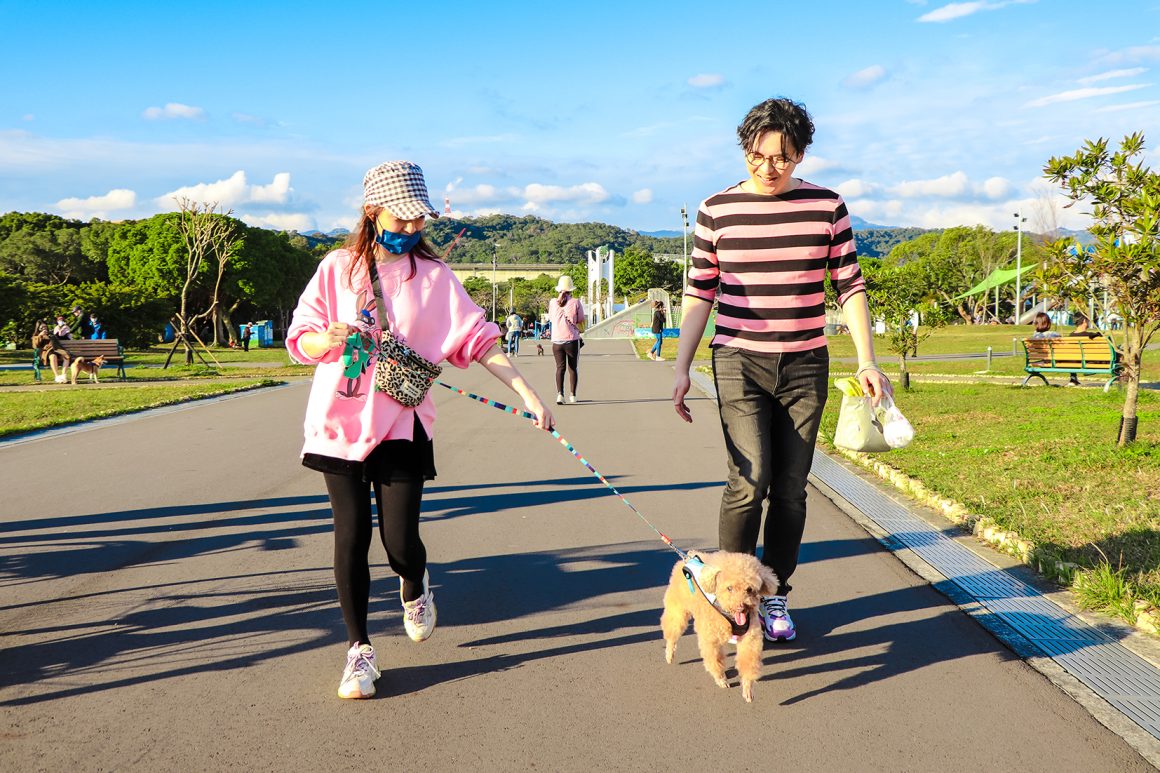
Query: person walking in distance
{"x": 247, "y": 331}
{"x": 564, "y": 316}
{"x": 515, "y": 328}
{"x": 364, "y": 440}
{"x": 761, "y": 251}
{"x": 658, "y": 330}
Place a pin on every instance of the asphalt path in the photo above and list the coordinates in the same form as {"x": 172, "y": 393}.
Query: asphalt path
{"x": 168, "y": 604}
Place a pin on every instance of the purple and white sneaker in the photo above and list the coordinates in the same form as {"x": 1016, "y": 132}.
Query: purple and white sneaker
{"x": 776, "y": 623}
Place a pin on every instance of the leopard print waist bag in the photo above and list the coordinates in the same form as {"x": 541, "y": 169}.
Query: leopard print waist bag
{"x": 401, "y": 373}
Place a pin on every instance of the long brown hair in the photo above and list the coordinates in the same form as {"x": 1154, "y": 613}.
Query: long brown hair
{"x": 361, "y": 244}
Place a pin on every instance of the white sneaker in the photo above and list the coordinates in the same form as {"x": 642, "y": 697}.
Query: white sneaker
{"x": 419, "y": 615}
{"x": 559, "y": 398}
{"x": 571, "y": 398}
{"x": 61, "y": 379}
{"x": 776, "y": 623}
{"x": 358, "y": 678}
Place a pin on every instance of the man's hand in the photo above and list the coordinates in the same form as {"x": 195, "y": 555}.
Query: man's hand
{"x": 875, "y": 383}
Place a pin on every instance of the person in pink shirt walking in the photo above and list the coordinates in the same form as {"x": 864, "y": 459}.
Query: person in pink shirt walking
{"x": 565, "y": 313}
{"x": 362, "y": 439}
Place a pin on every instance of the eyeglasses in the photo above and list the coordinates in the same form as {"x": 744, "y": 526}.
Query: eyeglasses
{"x": 777, "y": 162}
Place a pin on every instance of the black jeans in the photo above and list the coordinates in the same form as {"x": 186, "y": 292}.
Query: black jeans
{"x": 771, "y": 406}
{"x": 567, "y": 356}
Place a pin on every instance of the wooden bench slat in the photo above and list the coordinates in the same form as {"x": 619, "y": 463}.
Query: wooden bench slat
{"x": 1089, "y": 356}
{"x": 90, "y": 349}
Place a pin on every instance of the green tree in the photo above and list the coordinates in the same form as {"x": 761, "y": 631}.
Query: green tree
{"x": 899, "y": 295}
{"x": 635, "y": 271}
{"x": 1124, "y": 196}
{"x": 50, "y": 254}
{"x": 479, "y": 288}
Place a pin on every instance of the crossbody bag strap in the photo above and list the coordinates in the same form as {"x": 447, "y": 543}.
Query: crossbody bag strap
{"x": 381, "y": 312}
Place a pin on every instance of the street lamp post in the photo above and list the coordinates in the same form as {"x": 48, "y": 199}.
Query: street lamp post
{"x": 1019, "y": 221}
{"x": 685, "y": 249}
{"x": 494, "y": 259}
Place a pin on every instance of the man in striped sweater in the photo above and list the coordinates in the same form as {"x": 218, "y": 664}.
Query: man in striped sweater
{"x": 761, "y": 250}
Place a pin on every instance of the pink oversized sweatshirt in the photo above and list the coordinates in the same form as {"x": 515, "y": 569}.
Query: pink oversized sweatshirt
{"x": 345, "y": 417}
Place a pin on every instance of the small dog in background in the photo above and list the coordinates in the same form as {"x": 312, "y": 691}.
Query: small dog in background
{"x": 539, "y": 349}
{"x": 89, "y": 367}
{"x": 737, "y": 581}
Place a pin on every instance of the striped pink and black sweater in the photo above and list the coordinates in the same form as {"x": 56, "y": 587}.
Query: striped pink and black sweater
{"x": 764, "y": 259}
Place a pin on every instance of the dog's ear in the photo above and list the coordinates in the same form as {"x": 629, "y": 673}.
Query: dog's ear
{"x": 768, "y": 581}
{"x": 708, "y": 579}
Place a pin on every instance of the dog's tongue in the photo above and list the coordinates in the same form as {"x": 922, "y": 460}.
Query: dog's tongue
{"x": 739, "y": 617}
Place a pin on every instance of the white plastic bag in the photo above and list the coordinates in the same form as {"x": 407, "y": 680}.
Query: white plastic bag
{"x": 865, "y": 427}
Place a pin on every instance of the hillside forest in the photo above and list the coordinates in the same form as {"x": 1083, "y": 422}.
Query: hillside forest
{"x": 133, "y": 273}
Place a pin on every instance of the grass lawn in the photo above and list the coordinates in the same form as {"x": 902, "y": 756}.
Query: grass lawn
{"x": 954, "y": 339}
{"x": 234, "y": 363}
{"x": 1042, "y": 463}
{"x": 24, "y": 411}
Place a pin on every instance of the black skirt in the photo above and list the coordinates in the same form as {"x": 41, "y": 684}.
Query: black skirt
{"x": 390, "y": 460}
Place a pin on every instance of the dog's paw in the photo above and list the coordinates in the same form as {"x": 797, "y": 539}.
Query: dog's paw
{"x": 747, "y": 691}
{"x": 669, "y": 651}
{"x": 721, "y": 681}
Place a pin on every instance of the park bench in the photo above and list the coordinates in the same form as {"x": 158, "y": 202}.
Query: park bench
{"x": 89, "y": 349}
{"x": 1086, "y": 356}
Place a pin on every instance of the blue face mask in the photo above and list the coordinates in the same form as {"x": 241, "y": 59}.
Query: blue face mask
{"x": 397, "y": 244}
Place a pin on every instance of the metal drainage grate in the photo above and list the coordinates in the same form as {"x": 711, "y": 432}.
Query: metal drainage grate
{"x": 1116, "y": 674}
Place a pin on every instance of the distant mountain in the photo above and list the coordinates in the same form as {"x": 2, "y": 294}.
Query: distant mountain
{"x": 862, "y": 225}
{"x": 337, "y": 232}
{"x": 1083, "y": 237}
{"x": 661, "y": 234}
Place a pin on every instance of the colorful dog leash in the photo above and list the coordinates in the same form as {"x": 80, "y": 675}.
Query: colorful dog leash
{"x": 572, "y": 450}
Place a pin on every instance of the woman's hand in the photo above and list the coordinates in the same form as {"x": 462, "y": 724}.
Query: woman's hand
{"x": 544, "y": 418}
{"x": 680, "y": 389}
{"x": 318, "y": 344}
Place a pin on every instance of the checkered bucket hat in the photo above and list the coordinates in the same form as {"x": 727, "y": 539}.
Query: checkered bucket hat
{"x": 398, "y": 186}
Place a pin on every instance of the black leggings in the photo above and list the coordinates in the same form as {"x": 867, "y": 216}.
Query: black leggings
{"x": 567, "y": 357}
{"x": 399, "y": 503}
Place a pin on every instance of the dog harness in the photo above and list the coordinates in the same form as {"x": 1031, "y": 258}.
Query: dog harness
{"x": 692, "y": 571}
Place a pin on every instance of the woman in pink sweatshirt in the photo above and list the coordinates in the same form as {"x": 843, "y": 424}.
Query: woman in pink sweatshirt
{"x": 360, "y": 438}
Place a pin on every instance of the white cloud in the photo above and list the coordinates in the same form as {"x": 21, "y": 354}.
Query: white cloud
{"x": 277, "y": 192}
{"x": 946, "y": 186}
{"x": 252, "y": 120}
{"x": 643, "y": 196}
{"x": 865, "y": 78}
{"x": 232, "y": 191}
{"x": 174, "y": 110}
{"x": 707, "y": 81}
{"x": 481, "y": 194}
{"x": 1132, "y": 55}
{"x": 996, "y": 187}
{"x": 584, "y": 193}
{"x": 1086, "y": 93}
{"x": 856, "y": 189}
{"x": 28, "y": 117}
{"x": 811, "y": 165}
{"x": 97, "y": 206}
{"x": 952, "y": 11}
{"x": 1128, "y": 106}
{"x": 1129, "y": 73}
{"x": 280, "y": 221}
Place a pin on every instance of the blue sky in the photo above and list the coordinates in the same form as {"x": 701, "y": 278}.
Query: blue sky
{"x": 928, "y": 114}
